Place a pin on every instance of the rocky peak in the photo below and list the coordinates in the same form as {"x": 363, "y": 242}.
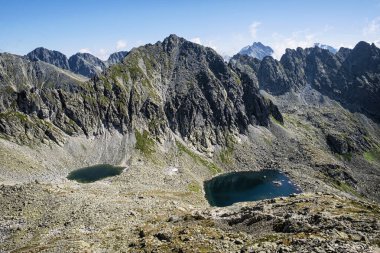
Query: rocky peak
{"x": 257, "y": 50}
{"x": 86, "y": 64}
{"x": 116, "y": 57}
{"x": 272, "y": 76}
{"x": 342, "y": 53}
{"x": 50, "y": 56}
{"x": 363, "y": 57}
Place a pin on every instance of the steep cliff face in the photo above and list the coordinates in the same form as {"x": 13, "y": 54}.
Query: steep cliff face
{"x": 116, "y": 58}
{"x": 349, "y": 76}
{"x": 50, "y": 56}
{"x": 86, "y": 64}
{"x": 174, "y": 85}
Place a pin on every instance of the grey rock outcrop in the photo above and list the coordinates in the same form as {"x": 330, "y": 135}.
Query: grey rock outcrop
{"x": 50, "y": 56}
{"x": 86, "y": 64}
{"x": 337, "y": 143}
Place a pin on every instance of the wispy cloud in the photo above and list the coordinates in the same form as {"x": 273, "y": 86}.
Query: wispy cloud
{"x": 196, "y": 40}
{"x": 85, "y": 50}
{"x": 253, "y": 29}
{"x": 296, "y": 39}
{"x": 103, "y": 54}
{"x": 328, "y": 28}
{"x": 372, "y": 27}
{"x": 121, "y": 44}
{"x": 206, "y": 43}
{"x": 233, "y": 43}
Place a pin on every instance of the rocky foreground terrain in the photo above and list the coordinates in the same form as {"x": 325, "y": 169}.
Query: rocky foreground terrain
{"x": 176, "y": 104}
{"x": 110, "y": 216}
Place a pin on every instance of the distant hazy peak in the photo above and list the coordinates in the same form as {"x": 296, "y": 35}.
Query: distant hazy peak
{"x": 257, "y": 50}
{"x": 116, "y": 57}
{"x": 323, "y": 46}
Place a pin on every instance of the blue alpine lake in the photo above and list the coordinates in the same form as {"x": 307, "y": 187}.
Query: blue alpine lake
{"x": 94, "y": 173}
{"x": 226, "y": 189}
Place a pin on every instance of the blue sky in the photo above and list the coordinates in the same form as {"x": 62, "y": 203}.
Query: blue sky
{"x": 103, "y": 27}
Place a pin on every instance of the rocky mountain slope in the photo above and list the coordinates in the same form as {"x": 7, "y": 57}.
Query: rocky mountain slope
{"x": 257, "y": 50}
{"x": 173, "y": 86}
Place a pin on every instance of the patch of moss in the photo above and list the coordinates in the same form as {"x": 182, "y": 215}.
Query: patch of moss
{"x": 200, "y": 160}
{"x": 269, "y": 238}
{"x": 144, "y": 142}
{"x": 107, "y": 84}
{"x": 226, "y": 156}
{"x": 12, "y": 114}
{"x": 103, "y": 100}
{"x": 118, "y": 70}
{"x": 135, "y": 71}
{"x": 194, "y": 187}
{"x": 122, "y": 106}
{"x": 89, "y": 99}
{"x": 340, "y": 185}
{"x": 151, "y": 90}
{"x": 296, "y": 122}
{"x": 155, "y": 123}
{"x": 376, "y": 242}
{"x": 149, "y": 66}
{"x": 276, "y": 121}
{"x": 87, "y": 86}
{"x": 236, "y": 78}
{"x": 268, "y": 141}
{"x": 345, "y": 157}
{"x": 8, "y": 89}
{"x": 373, "y": 155}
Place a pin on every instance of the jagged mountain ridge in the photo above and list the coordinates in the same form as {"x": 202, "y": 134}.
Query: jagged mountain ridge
{"x": 50, "y": 56}
{"x": 349, "y": 76}
{"x": 81, "y": 63}
{"x": 172, "y": 85}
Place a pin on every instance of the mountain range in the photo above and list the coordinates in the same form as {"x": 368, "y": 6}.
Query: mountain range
{"x": 174, "y": 114}
{"x": 81, "y": 63}
{"x": 349, "y": 76}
